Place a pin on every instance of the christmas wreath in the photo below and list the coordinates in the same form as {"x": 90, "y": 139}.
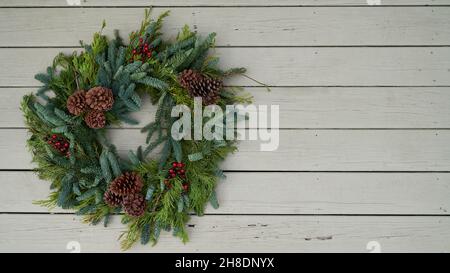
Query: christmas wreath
{"x": 86, "y": 92}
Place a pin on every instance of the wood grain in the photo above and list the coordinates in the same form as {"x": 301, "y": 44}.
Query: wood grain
{"x": 221, "y": 3}
{"x": 299, "y": 150}
{"x": 364, "y": 99}
{"x": 284, "y": 66}
{"x": 285, "y": 193}
{"x": 281, "y": 26}
{"x": 51, "y": 233}
{"x": 317, "y": 107}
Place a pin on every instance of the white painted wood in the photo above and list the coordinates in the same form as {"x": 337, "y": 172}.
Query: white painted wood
{"x": 281, "y": 26}
{"x": 299, "y": 150}
{"x": 233, "y": 3}
{"x": 285, "y": 66}
{"x": 285, "y": 193}
{"x": 322, "y": 23}
{"x": 317, "y": 107}
{"x": 51, "y": 233}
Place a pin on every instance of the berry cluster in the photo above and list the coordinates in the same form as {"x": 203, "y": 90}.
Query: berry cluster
{"x": 142, "y": 52}
{"x": 177, "y": 170}
{"x": 60, "y": 144}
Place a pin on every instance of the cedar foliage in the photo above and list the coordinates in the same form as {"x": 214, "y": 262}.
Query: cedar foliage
{"x": 79, "y": 181}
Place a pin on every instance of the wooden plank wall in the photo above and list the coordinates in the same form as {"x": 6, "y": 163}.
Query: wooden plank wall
{"x": 364, "y": 95}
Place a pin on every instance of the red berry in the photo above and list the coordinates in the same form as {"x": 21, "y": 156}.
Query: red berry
{"x": 174, "y": 164}
{"x": 185, "y": 187}
{"x": 173, "y": 174}
{"x": 171, "y": 171}
{"x": 54, "y": 136}
{"x": 182, "y": 171}
{"x": 57, "y": 144}
{"x": 180, "y": 165}
{"x": 134, "y": 51}
{"x": 49, "y": 142}
{"x": 149, "y": 54}
{"x": 66, "y": 144}
{"x": 141, "y": 40}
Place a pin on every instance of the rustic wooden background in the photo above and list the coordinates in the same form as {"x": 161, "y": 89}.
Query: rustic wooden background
{"x": 364, "y": 93}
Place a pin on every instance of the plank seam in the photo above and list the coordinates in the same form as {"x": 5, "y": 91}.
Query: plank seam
{"x": 256, "y": 46}
{"x": 288, "y": 86}
{"x": 252, "y": 214}
{"x": 225, "y": 6}
{"x": 293, "y": 86}
{"x": 281, "y": 171}
{"x": 295, "y": 129}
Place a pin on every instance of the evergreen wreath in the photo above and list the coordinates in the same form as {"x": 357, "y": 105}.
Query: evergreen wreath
{"x": 85, "y": 92}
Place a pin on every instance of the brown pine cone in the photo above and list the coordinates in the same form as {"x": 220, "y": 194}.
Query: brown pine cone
{"x": 127, "y": 183}
{"x": 188, "y": 77}
{"x": 100, "y": 98}
{"x": 112, "y": 199}
{"x": 134, "y": 204}
{"x": 209, "y": 89}
{"x": 199, "y": 85}
{"x": 76, "y": 103}
{"x": 95, "y": 119}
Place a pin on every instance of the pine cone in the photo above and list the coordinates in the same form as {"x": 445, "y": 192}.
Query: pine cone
{"x": 187, "y": 77}
{"x": 76, "y": 103}
{"x": 127, "y": 183}
{"x": 112, "y": 199}
{"x": 95, "y": 119}
{"x": 199, "y": 85}
{"x": 134, "y": 204}
{"x": 209, "y": 89}
{"x": 100, "y": 98}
